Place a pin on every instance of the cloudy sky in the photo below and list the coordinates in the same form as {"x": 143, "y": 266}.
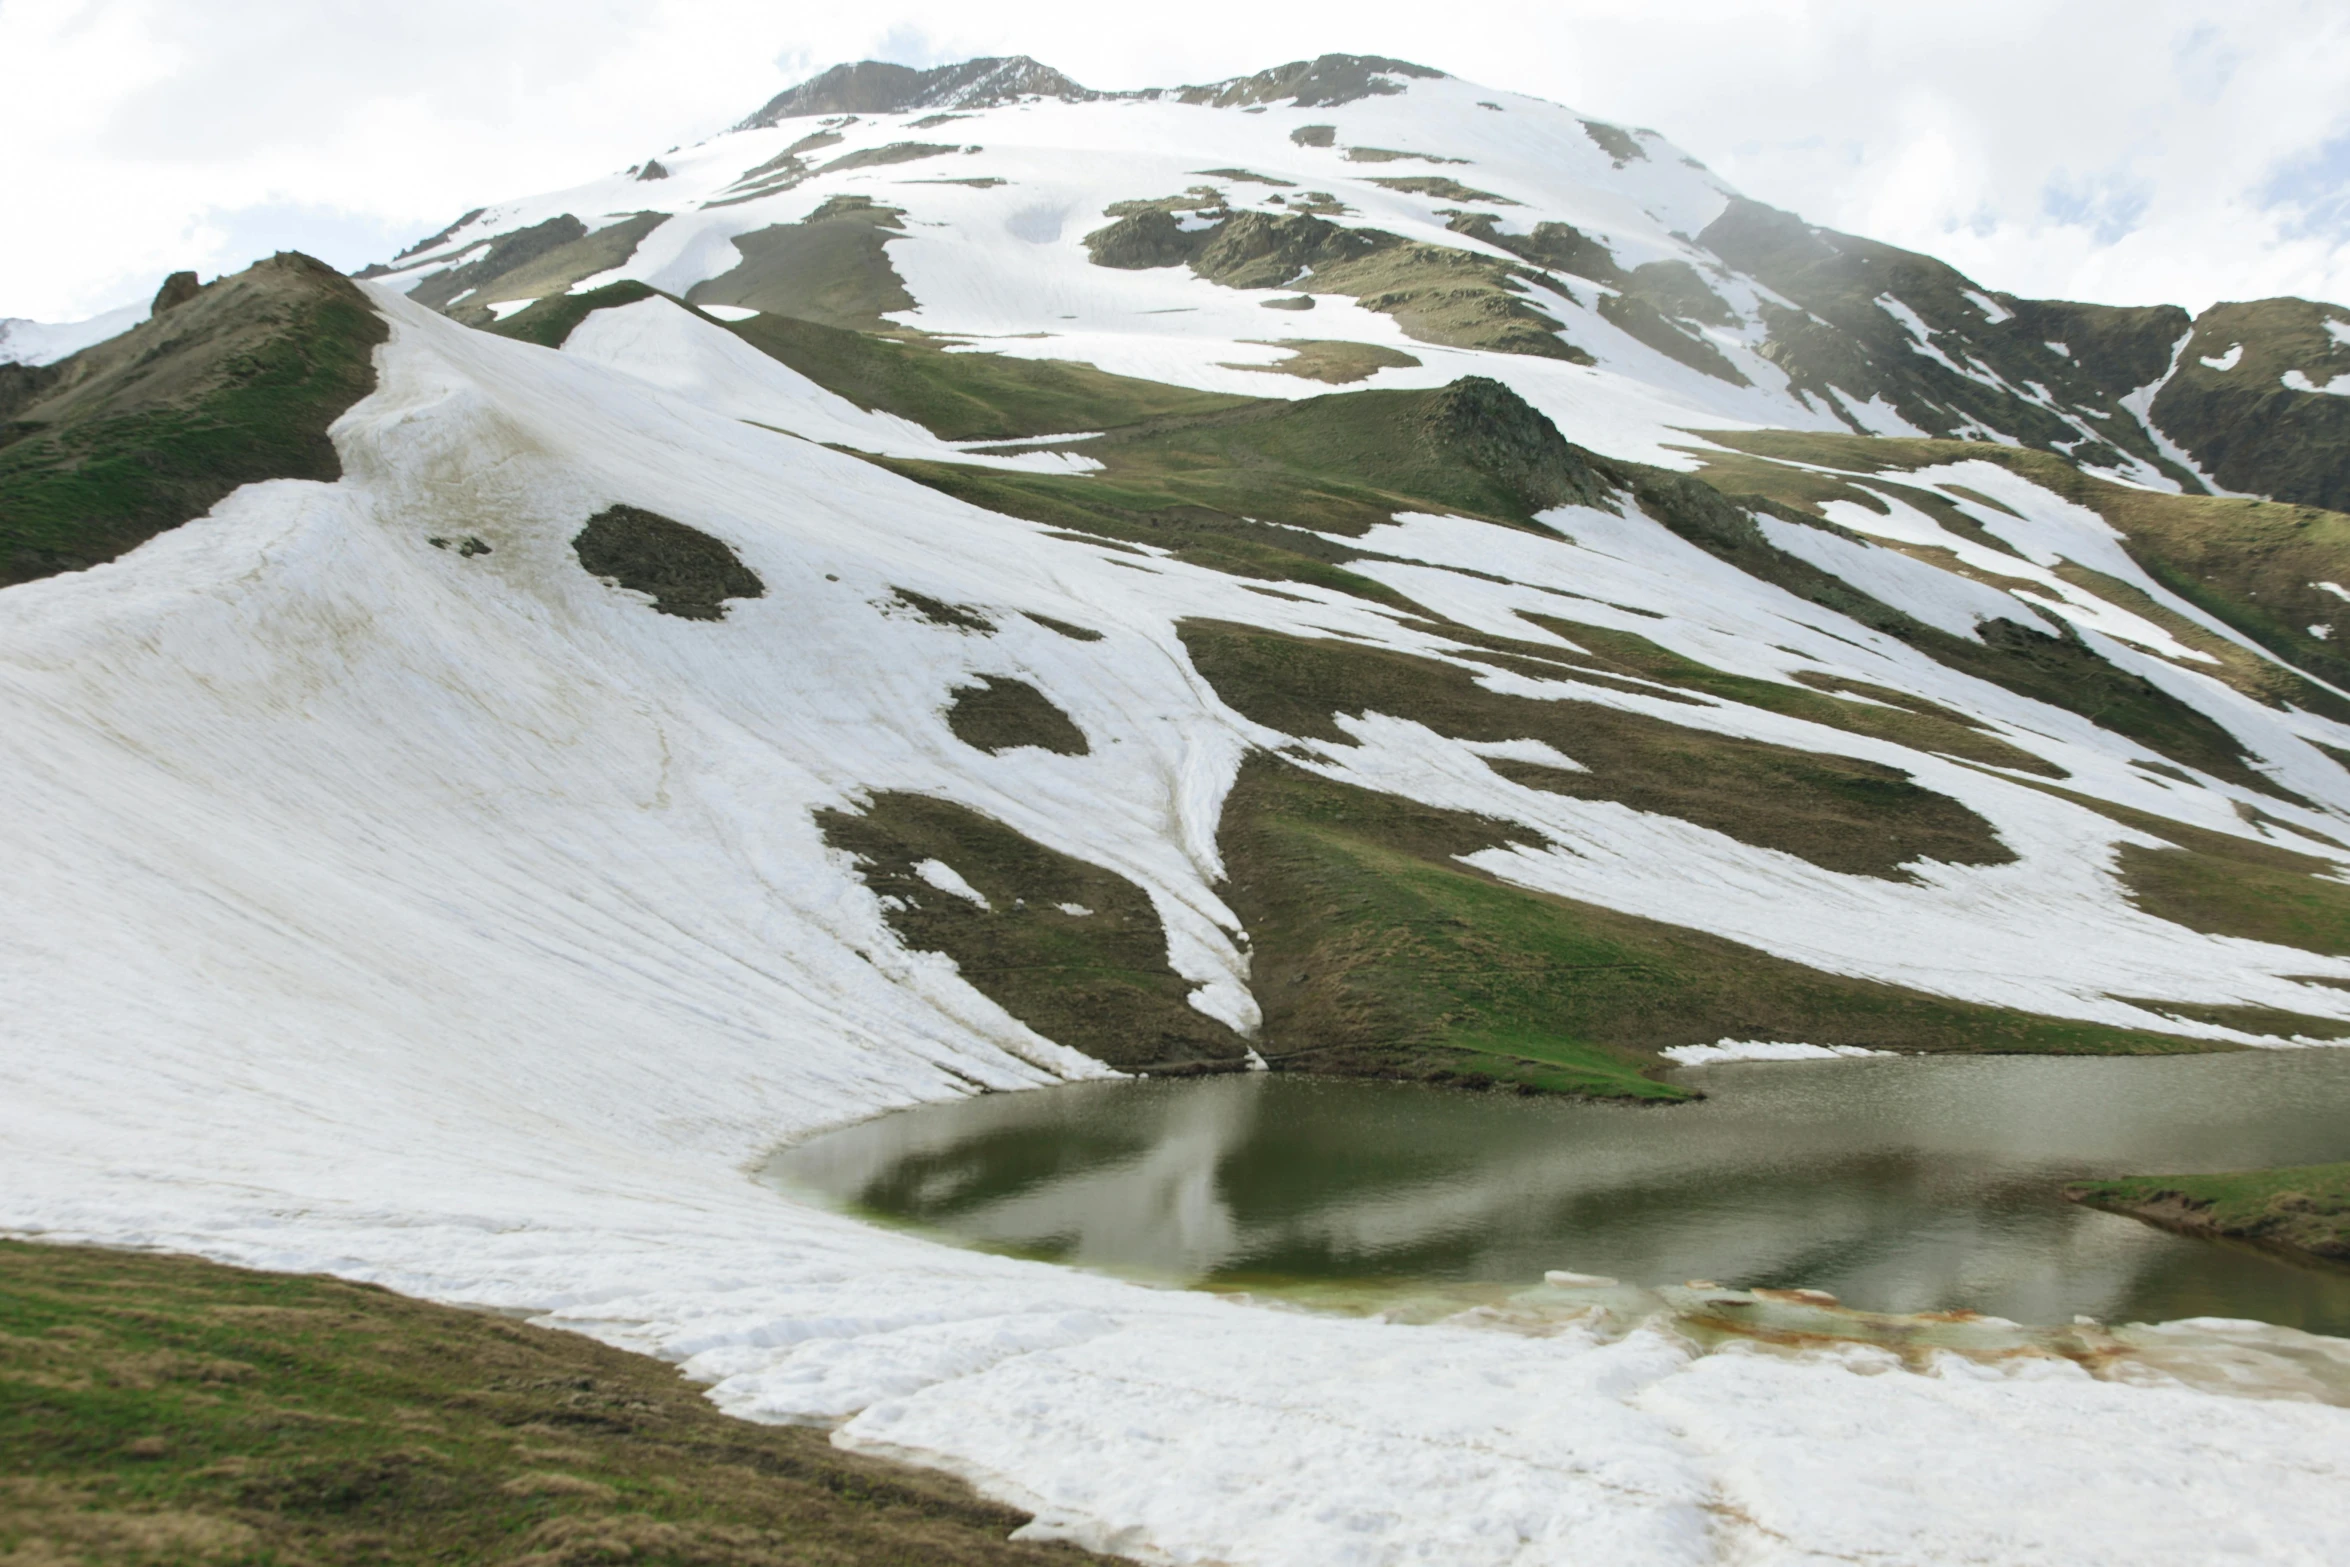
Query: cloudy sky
{"x": 2129, "y": 151}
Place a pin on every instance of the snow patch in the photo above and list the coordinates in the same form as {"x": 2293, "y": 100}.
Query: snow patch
{"x": 2227, "y": 361}
{"x": 949, "y": 880}
{"x": 1763, "y": 1050}
{"x": 1993, "y": 311}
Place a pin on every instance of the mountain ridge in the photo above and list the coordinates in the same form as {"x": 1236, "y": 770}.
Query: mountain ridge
{"x": 1944, "y": 358}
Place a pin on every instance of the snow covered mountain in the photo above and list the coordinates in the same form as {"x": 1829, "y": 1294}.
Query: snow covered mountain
{"x": 965, "y": 582}
{"x": 1573, "y": 240}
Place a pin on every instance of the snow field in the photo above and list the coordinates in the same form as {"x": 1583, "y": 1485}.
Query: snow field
{"x": 460, "y": 924}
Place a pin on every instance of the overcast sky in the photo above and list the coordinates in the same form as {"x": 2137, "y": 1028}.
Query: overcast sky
{"x": 2128, "y": 151}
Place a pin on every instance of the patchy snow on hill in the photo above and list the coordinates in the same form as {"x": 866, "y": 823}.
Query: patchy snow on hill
{"x": 456, "y": 920}
{"x": 459, "y": 923}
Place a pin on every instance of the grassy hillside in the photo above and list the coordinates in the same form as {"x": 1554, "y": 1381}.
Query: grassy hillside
{"x": 154, "y": 428}
{"x": 157, "y": 1411}
{"x": 1375, "y": 952}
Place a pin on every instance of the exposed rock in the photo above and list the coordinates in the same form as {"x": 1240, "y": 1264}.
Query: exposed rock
{"x": 1479, "y": 421}
{"x": 177, "y": 290}
{"x": 877, "y": 87}
{"x": 1320, "y": 83}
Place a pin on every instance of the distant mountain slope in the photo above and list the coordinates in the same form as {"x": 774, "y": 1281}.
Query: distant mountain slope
{"x": 1526, "y": 229}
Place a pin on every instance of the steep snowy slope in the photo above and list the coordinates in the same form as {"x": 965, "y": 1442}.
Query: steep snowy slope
{"x": 684, "y": 716}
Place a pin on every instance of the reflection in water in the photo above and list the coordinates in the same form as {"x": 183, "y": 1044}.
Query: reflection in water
{"x": 1906, "y": 1184}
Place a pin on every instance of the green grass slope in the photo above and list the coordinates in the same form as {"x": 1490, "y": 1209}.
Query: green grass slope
{"x": 151, "y": 429}
{"x": 162, "y": 1411}
{"x": 2304, "y": 1210}
{"x": 1376, "y": 953}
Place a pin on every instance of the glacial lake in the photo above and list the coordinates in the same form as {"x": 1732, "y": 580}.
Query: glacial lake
{"x": 1900, "y": 1184}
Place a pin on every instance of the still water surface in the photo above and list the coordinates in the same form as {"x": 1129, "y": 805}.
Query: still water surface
{"x": 1901, "y": 1184}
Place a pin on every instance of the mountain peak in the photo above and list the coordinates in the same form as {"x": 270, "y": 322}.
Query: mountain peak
{"x": 878, "y": 87}
{"x": 1320, "y": 83}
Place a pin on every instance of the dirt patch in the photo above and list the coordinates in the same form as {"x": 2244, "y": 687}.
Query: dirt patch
{"x": 689, "y": 574}
{"x": 1002, "y": 714}
{"x": 2046, "y": 661}
{"x": 497, "y": 258}
{"x": 1330, "y": 361}
{"x": 2229, "y": 886}
{"x": 1096, "y": 980}
{"x": 2244, "y": 425}
{"x": 879, "y": 87}
{"x": 1259, "y": 490}
{"x": 1315, "y": 135}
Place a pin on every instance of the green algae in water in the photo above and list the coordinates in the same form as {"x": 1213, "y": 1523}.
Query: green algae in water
{"x": 1898, "y": 1184}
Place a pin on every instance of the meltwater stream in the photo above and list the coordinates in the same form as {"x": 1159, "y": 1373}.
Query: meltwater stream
{"x": 1900, "y": 1184}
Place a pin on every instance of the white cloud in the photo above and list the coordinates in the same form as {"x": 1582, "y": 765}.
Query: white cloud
{"x": 2127, "y": 150}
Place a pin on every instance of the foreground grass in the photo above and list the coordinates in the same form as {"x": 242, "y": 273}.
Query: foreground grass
{"x": 2304, "y": 1209}
{"x": 167, "y": 1410}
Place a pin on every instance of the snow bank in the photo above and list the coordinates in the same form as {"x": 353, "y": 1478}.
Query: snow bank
{"x": 1763, "y": 1050}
